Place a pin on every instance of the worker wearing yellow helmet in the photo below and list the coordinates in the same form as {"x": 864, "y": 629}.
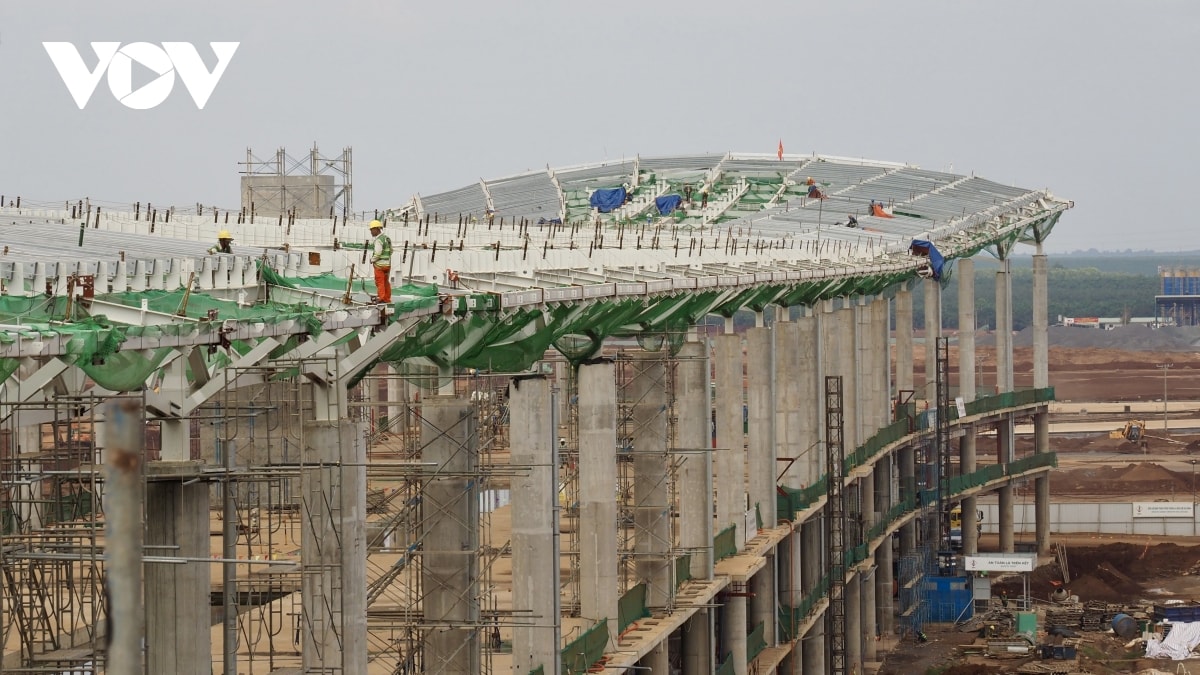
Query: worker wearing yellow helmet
{"x": 224, "y": 243}
{"x": 381, "y": 261}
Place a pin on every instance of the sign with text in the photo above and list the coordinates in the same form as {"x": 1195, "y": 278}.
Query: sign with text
{"x": 1164, "y": 510}
{"x": 1001, "y": 562}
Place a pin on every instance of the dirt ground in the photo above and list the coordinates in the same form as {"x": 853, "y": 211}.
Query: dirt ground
{"x": 1133, "y": 573}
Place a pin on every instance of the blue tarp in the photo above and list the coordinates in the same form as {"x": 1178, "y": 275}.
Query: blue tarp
{"x": 926, "y": 248}
{"x": 607, "y": 200}
{"x": 667, "y": 203}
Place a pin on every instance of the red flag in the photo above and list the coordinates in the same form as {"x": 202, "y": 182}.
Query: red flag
{"x": 780, "y": 152}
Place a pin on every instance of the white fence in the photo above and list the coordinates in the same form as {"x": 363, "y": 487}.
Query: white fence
{"x": 1084, "y": 517}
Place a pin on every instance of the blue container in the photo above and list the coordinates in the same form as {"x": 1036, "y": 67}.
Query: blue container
{"x": 1125, "y": 626}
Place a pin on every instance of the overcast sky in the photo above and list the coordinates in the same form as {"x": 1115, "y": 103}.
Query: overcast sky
{"x": 1095, "y": 100}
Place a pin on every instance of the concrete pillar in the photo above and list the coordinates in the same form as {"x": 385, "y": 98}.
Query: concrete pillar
{"x": 731, "y": 472}
{"x": 848, "y": 368}
{"x": 966, "y": 388}
{"x": 884, "y": 582}
{"x": 788, "y": 403}
{"x": 450, "y": 527}
{"x": 1041, "y": 378}
{"x": 813, "y": 568}
{"x": 733, "y": 632}
{"x": 870, "y": 627}
{"x": 652, "y": 511}
{"x": 535, "y": 635}
{"x": 696, "y": 643}
{"x": 933, "y": 330}
{"x": 1004, "y": 454}
{"x": 904, "y": 340}
{"x": 333, "y": 546}
{"x": 694, "y": 455}
{"x": 908, "y": 491}
{"x": 970, "y": 505}
{"x": 762, "y": 604}
{"x": 760, "y": 439}
{"x": 178, "y": 617}
{"x": 867, "y": 501}
{"x": 881, "y": 385}
{"x": 396, "y": 392}
{"x": 1041, "y": 336}
{"x": 1006, "y": 519}
{"x": 658, "y": 660}
{"x": 1004, "y": 354}
{"x": 854, "y": 627}
{"x": 810, "y": 401}
{"x": 966, "y": 329}
{"x": 597, "y": 492}
{"x": 1041, "y": 484}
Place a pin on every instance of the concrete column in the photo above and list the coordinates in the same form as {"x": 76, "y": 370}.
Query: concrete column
{"x": 694, "y": 455}
{"x": 908, "y": 490}
{"x": 884, "y": 581}
{"x": 1004, "y": 354}
{"x": 178, "y": 620}
{"x": 881, "y": 386}
{"x": 813, "y": 567}
{"x": 762, "y": 605}
{"x": 854, "y": 627}
{"x": 333, "y": 550}
{"x": 1041, "y": 378}
{"x": 966, "y": 329}
{"x": 696, "y": 643}
{"x": 967, "y": 387}
{"x": 810, "y": 403}
{"x": 450, "y": 527}
{"x": 1041, "y": 335}
{"x": 760, "y": 439}
{"x": 535, "y": 636}
{"x": 733, "y": 632}
{"x": 1041, "y": 484}
{"x": 933, "y": 330}
{"x": 788, "y": 403}
{"x": 1006, "y": 519}
{"x": 731, "y": 472}
{"x": 848, "y": 368}
{"x": 885, "y": 497}
{"x": 1004, "y": 454}
{"x": 658, "y": 660}
{"x": 652, "y": 510}
{"x": 970, "y": 505}
{"x": 867, "y": 500}
{"x": 870, "y": 627}
{"x": 597, "y": 496}
{"x": 396, "y": 392}
{"x": 562, "y": 376}
{"x": 904, "y": 340}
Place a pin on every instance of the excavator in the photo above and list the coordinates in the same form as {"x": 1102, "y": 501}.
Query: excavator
{"x": 1134, "y": 431}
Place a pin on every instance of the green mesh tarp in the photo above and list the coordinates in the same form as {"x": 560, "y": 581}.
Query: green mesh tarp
{"x": 756, "y": 642}
{"x": 631, "y": 607}
{"x": 585, "y": 650}
{"x": 725, "y": 543}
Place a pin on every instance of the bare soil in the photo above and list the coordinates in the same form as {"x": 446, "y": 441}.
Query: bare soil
{"x": 1088, "y": 365}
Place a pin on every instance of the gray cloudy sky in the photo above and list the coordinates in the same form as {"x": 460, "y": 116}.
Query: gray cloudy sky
{"x": 1096, "y": 100}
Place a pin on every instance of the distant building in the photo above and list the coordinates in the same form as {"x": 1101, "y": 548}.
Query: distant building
{"x": 1179, "y": 302}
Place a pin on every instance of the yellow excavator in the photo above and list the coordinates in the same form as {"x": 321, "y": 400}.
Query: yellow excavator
{"x": 1134, "y": 431}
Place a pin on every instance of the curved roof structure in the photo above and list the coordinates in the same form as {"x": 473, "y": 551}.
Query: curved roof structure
{"x": 495, "y": 272}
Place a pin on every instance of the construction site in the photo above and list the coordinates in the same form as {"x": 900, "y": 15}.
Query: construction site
{"x": 553, "y": 451}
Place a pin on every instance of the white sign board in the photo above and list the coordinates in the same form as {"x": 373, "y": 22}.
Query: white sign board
{"x": 1163, "y": 510}
{"x": 1001, "y": 562}
{"x": 961, "y": 405}
{"x": 751, "y": 524}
